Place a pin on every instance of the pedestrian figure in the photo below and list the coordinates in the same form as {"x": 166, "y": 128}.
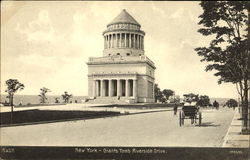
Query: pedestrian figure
{"x": 175, "y": 108}
{"x": 216, "y": 105}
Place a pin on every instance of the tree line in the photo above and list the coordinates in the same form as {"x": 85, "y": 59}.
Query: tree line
{"x": 164, "y": 95}
{"x": 43, "y": 97}
{"x": 202, "y": 100}
{"x": 13, "y": 85}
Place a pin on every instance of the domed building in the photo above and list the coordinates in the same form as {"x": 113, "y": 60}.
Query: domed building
{"x": 124, "y": 74}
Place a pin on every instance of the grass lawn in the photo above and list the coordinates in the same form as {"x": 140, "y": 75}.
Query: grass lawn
{"x": 32, "y": 116}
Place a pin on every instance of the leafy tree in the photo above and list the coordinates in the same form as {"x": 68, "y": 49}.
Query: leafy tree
{"x": 231, "y": 103}
{"x": 227, "y": 23}
{"x": 167, "y": 93}
{"x": 13, "y": 85}
{"x": 158, "y": 93}
{"x": 66, "y": 97}
{"x": 204, "y": 101}
{"x": 42, "y": 95}
{"x": 163, "y": 99}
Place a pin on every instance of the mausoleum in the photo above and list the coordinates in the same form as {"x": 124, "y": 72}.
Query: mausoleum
{"x": 124, "y": 74}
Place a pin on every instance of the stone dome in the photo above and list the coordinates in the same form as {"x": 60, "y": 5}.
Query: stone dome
{"x": 123, "y": 36}
{"x": 124, "y": 18}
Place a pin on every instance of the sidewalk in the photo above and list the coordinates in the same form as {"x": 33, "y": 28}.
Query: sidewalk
{"x": 234, "y": 138}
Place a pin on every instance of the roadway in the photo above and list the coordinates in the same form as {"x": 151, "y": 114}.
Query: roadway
{"x": 156, "y": 129}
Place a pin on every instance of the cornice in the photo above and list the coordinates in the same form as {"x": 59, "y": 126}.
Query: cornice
{"x": 121, "y": 62}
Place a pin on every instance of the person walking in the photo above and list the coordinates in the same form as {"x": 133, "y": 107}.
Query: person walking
{"x": 216, "y": 105}
{"x": 175, "y": 108}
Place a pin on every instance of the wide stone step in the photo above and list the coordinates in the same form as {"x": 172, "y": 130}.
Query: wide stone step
{"x": 109, "y": 100}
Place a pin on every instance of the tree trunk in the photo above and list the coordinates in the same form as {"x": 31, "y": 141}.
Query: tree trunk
{"x": 12, "y": 108}
{"x": 245, "y": 109}
{"x": 11, "y": 103}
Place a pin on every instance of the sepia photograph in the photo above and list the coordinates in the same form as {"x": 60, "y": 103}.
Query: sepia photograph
{"x": 125, "y": 80}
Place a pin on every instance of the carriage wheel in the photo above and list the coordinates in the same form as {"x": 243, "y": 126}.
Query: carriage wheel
{"x": 200, "y": 117}
{"x": 180, "y": 118}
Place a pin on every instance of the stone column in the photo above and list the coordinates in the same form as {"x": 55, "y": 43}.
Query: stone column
{"x": 139, "y": 41}
{"x": 130, "y": 36}
{"x": 97, "y": 88}
{"x": 153, "y": 91}
{"x": 94, "y": 88}
{"x": 120, "y": 40}
{"x": 111, "y": 41}
{"x": 104, "y": 42}
{"x": 125, "y": 38}
{"x": 101, "y": 88}
{"x": 115, "y": 40}
{"x": 143, "y": 43}
{"x": 127, "y": 89}
{"x": 110, "y": 88}
{"x": 118, "y": 88}
{"x": 134, "y": 41}
{"x": 107, "y": 41}
{"x": 135, "y": 88}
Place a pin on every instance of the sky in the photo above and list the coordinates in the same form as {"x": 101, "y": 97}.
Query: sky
{"x": 47, "y": 44}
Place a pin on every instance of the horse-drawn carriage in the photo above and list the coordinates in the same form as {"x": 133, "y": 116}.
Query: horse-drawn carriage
{"x": 190, "y": 110}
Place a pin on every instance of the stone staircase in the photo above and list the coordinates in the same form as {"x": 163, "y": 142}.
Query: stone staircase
{"x": 109, "y": 100}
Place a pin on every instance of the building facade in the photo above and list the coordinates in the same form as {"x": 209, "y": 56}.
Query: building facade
{"x": 124, "y": 74}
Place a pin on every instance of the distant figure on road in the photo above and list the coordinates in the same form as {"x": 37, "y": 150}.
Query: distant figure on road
{"x": 175, "y": 108}
{"x": 216, "y": 105}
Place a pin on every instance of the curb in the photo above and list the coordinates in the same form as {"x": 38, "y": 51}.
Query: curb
{"x": 226, "y": 136}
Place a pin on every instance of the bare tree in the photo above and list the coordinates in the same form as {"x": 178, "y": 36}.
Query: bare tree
{"x": 42, "y": 95}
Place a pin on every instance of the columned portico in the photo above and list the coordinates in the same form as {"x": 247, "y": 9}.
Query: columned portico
{"x": 115, "y": 88}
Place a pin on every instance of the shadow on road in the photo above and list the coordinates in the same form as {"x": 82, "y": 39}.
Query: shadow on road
{"x": 209, "y": 124}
